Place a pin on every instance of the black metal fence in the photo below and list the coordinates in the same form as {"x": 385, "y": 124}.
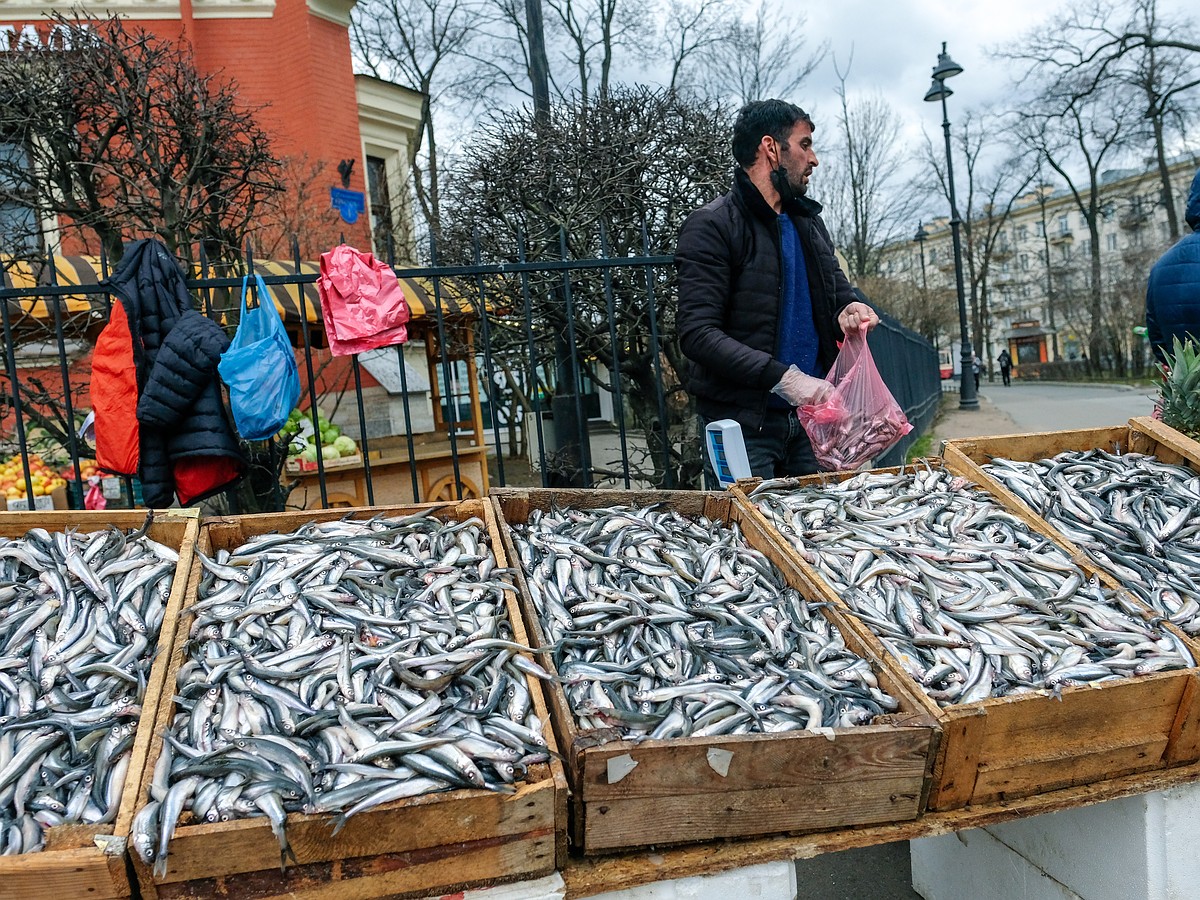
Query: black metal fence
{"x": 547, "y": 372}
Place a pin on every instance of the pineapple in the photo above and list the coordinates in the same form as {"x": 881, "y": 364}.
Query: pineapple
{"x": 1180, "y": 392}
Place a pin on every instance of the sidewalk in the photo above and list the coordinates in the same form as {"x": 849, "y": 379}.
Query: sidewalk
{"x": 953, "y": 423}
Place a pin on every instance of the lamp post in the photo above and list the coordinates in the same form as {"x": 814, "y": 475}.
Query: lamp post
{"x": 921, "y": 237}
{"x": 948, "y": 68}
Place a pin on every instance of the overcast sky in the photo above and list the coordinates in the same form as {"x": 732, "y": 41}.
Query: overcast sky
{"x": 895, "y": 47}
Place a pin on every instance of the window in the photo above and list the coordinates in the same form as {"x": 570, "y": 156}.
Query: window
{"x": 19, "y": 230}
{"x": 1024, "y": 262}
{"x": 1064, "y": 224}
{"x": 1086, "y": 248}
{"x": 1111, "y": 241}
{"x": 1040, "y": 228}
{"x": 1022, "y": 232}
{"x": 381, "y": 206}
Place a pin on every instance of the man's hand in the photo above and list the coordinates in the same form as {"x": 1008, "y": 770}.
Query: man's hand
{"x": 855, "y": 316}
{"x": 799, "y": 389}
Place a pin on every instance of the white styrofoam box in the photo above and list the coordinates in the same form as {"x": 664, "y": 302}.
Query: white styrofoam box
{"x": 974, "y": 864}
{"x": 1135, "y": 848}
{"x": 1102, "y": 852}
{"x": 766, "y": 881}
{"x": 550, "y": 887}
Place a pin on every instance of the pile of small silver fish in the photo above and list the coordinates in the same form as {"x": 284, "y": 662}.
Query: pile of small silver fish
{"x": 664, "y": 626}
{"x": 1137, "y": 516}
{"x": 345, "y": 665}
{"x": 79, "y": 619}
{"x": 970, "y": 600}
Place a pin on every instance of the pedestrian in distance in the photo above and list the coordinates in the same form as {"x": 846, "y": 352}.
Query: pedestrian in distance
{"x": 763, "y": 302}
{"x": 1173, "y": 289}
{"x": 1005, "y": 362}
{"x": 976, "y": 368}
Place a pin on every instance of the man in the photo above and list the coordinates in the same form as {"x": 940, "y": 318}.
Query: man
{"x": 762, "y": 300}
{"x": 1173, "y": 293}
{"x": 1005, "y": 366}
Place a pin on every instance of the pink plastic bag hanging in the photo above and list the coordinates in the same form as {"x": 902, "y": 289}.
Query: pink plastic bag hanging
{"x": 361, "y": 302}
{"x": 860, "y": 419}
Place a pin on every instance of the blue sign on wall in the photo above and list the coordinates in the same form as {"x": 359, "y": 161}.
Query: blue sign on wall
{"x": 350, "y": 204}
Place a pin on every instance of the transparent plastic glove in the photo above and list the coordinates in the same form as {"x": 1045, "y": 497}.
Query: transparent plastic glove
{"x": 799, "y": 389}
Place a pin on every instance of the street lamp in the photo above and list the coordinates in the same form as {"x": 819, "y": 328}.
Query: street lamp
{"x": 921, "y": 237}
{"x": 948, "y": 68}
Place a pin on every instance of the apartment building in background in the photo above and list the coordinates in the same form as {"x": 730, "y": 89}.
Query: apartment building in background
{"x": 1036, "y": 298}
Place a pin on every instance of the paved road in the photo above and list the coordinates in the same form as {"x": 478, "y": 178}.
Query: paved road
{"x": 1062, "y": 407}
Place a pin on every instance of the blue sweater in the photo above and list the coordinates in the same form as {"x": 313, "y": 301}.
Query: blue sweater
{"x": 1173, "y": 292}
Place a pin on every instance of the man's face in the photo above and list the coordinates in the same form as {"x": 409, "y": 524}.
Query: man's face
{"x": 796, "y": 154}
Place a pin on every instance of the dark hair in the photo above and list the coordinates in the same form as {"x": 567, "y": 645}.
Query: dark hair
{"x": 762, "y": 117}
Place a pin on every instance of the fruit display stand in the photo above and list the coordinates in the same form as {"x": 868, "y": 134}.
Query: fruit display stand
{"x": 391, "y": 470}
{"x": 90, "y": 860}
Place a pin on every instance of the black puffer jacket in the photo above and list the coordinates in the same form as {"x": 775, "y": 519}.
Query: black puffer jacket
{"x": 730, "y": 290}
{"x": 187, "y": 446}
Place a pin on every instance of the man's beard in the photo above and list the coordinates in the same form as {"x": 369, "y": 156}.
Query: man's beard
{"x": 787, "y": 190}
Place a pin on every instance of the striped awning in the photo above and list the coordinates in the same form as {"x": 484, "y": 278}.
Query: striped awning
{"x": 290, "y": 298}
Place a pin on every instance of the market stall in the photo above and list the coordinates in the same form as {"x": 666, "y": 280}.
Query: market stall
{"x": 719, "y": 680}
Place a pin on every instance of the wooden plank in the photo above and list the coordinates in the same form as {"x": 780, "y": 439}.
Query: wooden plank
{"x": 588, "y": 876}
{"x": 1169, "y": 445}
{"x": 1021, "y": 776}
{"x": 759, "y": 762}
{"x": 59, "y": 874}
{"x": 1026, "y": 725}
{"x": 202, "y": 852}
{"x": 416, "y": 873}
{"x": 614, "y": 824}
{"x": 1184, "y": 745}
{"x": 431, "y": 821}
{"x": 957, "y": 766}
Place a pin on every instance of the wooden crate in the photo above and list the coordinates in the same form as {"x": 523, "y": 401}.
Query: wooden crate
{"x": 89, "y": 860}
{"x": 415, "y": 847}
{"x": 789, "y": 782}
{"x": 1006, "y": 747}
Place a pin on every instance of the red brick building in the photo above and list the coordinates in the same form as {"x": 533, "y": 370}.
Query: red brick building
{"x": 292, "y": 58}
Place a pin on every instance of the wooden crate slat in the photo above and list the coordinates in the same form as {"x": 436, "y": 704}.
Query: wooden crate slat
{"x": 759, "y": 762}
{"x": 438, "y": 820}
{"x": 1096, "y": 761}
{"x": 614, "y": 824}
{"x": 1184, "y": 745}
{"x": 388, "y": 875}
{"x": 59, "y": 874}
{"x": 204, "y": 854}
{"x": 1136, "y": 706}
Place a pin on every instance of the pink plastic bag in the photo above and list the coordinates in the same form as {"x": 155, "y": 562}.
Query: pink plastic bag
{"x": 361, "y": 302}
{"x": 860, "y": 419}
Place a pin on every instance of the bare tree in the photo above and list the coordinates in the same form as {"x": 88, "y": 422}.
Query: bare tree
{"x": 692, "y": 29}
{"x": 866, "y": 210}
{"x": 1078, "y": 121}
{"x": 603, "y": 173}
{"x": 120, "y": 137}
{"x": 992, "y": 189}
{"x": 425, "y": 45}
{"x": 1129, "y": 42}
{"x": 594, "y": 32}
{"x": 760, "y": 57}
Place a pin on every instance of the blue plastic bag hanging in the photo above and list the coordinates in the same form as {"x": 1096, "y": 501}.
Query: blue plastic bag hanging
{"x": 259, "y": 369}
